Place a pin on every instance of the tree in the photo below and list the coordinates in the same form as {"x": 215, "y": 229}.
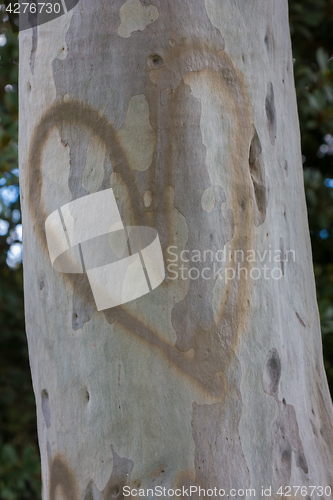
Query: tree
{"x": 19, "y": 457}
{"x": 215, "y": 378}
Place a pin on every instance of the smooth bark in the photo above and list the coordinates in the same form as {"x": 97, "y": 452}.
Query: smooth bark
{"x": 187, "y": 110}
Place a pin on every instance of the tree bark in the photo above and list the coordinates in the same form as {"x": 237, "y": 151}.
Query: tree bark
{"x": 187, "y": 110}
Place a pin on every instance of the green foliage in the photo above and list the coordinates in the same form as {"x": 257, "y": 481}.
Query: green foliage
{"x": 312, "y": 36}
{"x": 19, "y": 474}
{"x": 19, "y": 455}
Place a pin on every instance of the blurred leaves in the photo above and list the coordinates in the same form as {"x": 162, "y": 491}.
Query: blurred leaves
{"x": 19, "y": 455}
{"x": 311, "y": 23}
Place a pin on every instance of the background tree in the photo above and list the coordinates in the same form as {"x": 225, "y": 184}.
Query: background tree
{"x": 19, "y": 456}
{"x": 311, "y": 28}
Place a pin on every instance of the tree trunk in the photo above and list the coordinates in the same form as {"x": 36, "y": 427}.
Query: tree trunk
{"x": 187, "y": 111}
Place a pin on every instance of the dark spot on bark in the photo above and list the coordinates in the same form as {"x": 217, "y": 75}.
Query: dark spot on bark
{"x": 87, "y": 396}
{"x": 286, "y": 441}
{"x": 314, "y": 430}
{"x": 271, "y": 113}
{"x": 70, "y": 4}
{"x": 46, "y": 409}
{"x": 272, "y": 373}
{"x": 115, "y": 492}
{"x": 269, "y": 40}
{"x": 155, "y": 61}
{"x": 258, "y": 177}
{"x": 242, "y": 205}
{"x": 41, "y": 285}
{"x": 61, "y": 475}
{"x": 82, "y": 309}
{"x": 300, "y": 320}
{"x": 158, "y": 477}
{"x": 301, "y": 462}
{"x": 324, "y": 415}
{"x": 282, "y": 454}
{"x": 34, "y": 47}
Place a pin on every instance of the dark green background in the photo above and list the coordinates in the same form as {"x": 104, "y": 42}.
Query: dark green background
{"x": 312, "y": 37}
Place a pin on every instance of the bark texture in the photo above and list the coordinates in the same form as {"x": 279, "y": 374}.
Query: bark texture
{"x": 187, "y": 110}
